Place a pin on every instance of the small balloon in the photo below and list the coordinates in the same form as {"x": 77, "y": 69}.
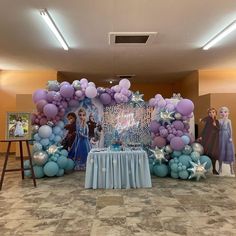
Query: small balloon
{"x": 40, "y": 158}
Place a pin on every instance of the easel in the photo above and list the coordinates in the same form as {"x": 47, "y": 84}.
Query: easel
{"x": 9, "y": 142}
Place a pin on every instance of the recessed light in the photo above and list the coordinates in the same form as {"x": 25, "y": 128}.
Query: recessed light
{"x": 110, "y": 81}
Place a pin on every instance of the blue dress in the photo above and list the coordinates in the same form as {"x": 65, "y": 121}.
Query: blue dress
{"x": 227, "y": 153}
{"x": 80, "y": 148}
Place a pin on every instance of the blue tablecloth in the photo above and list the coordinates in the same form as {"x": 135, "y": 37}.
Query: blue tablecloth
{"x": 117, "y": 169}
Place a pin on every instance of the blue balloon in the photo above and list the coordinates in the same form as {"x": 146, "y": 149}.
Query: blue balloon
{"x": 45, "y": 131}
{"x": 26, "y": 164}
{"x": 185, "y": 160}
{"x": 176, "y": 153}
{"x": 57, "y": 139}
{"x": 36, "y": 137}
{"x": 61, "y": 133}
{"x": 174, "y": 167}
{"x": 51, "y": 138}
{"x": 38, "y": 172}
{"x": 27, "y": 173}
{"x": 160, "y": 170}
{"x": 54, "y": 158}
{"x": 195, "y": 156}
{"x": 174, "y": 174}
{"x": 56, "y": 130}
{"x": 206, "y": 159}
{"x": 62, "y": 162}
{"x": 70, "y": 165}
{"x": 183, "y": 174}
{"x": 61, "y": 124}
{"x": 64, "y": 152}
{"x": 185, "y": 139}
{"x": 45, "y": 142}
{"x": 60, "y": 172}
{"x": 50, "y": 169}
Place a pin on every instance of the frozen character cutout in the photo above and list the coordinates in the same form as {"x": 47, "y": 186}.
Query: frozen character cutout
{"x": 95, "y": 141}
{"x": 91, "y": 125}
{"x": 210, "y": 137}
{"x": 68, "y": 141}
{"x": 81, "y": 146}
{"x": 227, "y": 153}
{"x": 19, "y": 130}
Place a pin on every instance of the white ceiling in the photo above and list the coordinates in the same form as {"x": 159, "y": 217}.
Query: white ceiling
{"x": 183, "y": 27}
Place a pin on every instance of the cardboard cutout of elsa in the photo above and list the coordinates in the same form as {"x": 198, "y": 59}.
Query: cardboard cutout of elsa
{"x": 84, "y": 126}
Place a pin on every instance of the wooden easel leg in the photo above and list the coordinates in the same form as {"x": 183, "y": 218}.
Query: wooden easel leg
{"x": 31, "y": 164}
{"x": 5, "y": 164}
{"x": 21, "y": 160}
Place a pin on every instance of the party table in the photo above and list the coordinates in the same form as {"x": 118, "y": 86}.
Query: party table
{"x": 117, "y": 169}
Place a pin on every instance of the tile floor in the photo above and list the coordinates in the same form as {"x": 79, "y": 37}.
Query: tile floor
{"x": 61, "y": 206}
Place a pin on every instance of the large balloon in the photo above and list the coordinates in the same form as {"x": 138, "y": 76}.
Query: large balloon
{"x": 154, "y": 126}
{"x": 51, "y": 168}
{"x": 159, "y": 142}
{"x": 45, "y": 131}
{"x": 125, "y": 83}
{"x": 105, "y": 98}
{"x": 40, "y": 158}
{"x": 177, "y": 144}
{"x": 185, "y": 107}
{"x": 39, "y": 94}
{"x": 91, "y": 92}
{"x": 67, "y": 91}
{"x": 40, "y": 105}
{"x": 50, "y": 110}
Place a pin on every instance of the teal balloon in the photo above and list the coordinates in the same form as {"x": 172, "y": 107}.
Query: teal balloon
{"x": 56, "y": 130}
{"x": 51, "y": 138}
{"x": 62, "y": 162}
{"x": 70, "y": 165}
{"x": 61, "y": 124}
{"x": 37, "y": 147}
{"x": 174, "y": 174}
{"x": 160, "y": 170}
{"x": 45, "y": 142}
{"x": 176, "y": 153}
{"x": 180, "y": 168}
{"x": 206, "y": 159}
{"x": 184, "y": 167}
{"x": 27, "y": 173}
{"x": 183, "y": 174}
{"x": 185, "y": 160}
{"x": 64, "y": 152}
{"x": 26, "y": 164}
{"x": 54, "y": 158}
{"x": 51, "y": 168}
{"x": 57, "y": 139}
{"x": 60, "y": 172}
{"x": 38, "y": 172}
{"x": 195, "y": 156}
{"x": 174, "y": 167}
{"x": 37, "y": 137}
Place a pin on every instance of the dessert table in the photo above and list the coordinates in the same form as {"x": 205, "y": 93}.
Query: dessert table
{"x": 117, "y": 169}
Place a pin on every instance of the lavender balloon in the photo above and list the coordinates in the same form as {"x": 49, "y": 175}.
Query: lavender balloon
{"x": 177, "y": 144}
{"x": 105, "y": 98}
{"x": 40, "y": 105}
{"x": 125, "y": 83}
{"x": 154, "y": 126}
{"x": 50, "y": 110}
{"x": 91, "y": 92}
{"x": 185, "y": 107}
{"x": 67, "y": 91}
{"x": 39, "y": 94}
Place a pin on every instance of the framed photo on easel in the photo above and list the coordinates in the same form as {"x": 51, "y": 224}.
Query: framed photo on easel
{"x": 18, "y": 125}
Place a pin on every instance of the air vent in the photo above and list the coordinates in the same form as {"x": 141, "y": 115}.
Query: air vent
{"x": 129, "y": 38}
{"x": 125, "y": 76}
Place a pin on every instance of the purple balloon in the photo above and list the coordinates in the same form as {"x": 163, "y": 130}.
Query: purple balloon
{"x": 57, "y": 96}
{"x": 40, "y": 105}
{"x": 50, "y": 96}
{"x": 179, "y": 133}
{"x": 170, "y": 136}
{"x": 179, "y": 125}
{"x": 73, "y": 103}
{"x": 50, "y": 110}
{"x": 43, "y": 121}
{"x": 67, "y": 91}
{"x": 177, "y": 144}
{"x": 124, "y": 91}
{"x": 105, "y": 98}
{"x": 185, "y": 107}
{"x": 154, "y": 126}
{"x": 170, "y": 107}
{"x": 84, "y": 82}
{"x": 159, "y": 142}
{"x": 64, "y": 83}
{"x": 152, "y": 102}
{"x": 164, "y": 133}
{"x": 91, "y": 92}
{"x": 39, "y": 94}
{"x": 117, "y": 88}
{"x": 125, "y": 83}
{"x": 161, "y": 103}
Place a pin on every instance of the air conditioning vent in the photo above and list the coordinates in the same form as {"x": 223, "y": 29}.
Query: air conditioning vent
{"x": 129, "y": 38}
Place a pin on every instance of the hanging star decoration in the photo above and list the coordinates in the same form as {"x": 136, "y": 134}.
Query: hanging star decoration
{"x": 159, "y": 154}
{"x": 53, "y": 149}
{"x": 166, "y": 116}
{"x": 198, "y": 170}
{"x": 137, "y": 98}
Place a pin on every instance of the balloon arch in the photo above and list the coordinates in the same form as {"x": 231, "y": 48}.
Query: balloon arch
{"x": 172, "y": 151}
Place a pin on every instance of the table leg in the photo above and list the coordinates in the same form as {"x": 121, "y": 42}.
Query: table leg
{"x": 5, "y": 164}
{"x": 31, "y": 164}
{"x": 21, "y": 160}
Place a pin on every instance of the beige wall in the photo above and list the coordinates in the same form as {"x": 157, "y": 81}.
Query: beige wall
{"x": 217, "y": 81}
{"x": 13, "y": 83}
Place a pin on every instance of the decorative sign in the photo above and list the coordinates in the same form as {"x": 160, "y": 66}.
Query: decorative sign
{"x": 131, "y": 122}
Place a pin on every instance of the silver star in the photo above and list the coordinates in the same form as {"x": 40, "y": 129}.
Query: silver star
{"x": 159, "y": 154}
{"x": 52, "y": 149}
{"x": 198, "y": 170}
{"x": 137, "y": 97}
{"x": 166, "y": 116}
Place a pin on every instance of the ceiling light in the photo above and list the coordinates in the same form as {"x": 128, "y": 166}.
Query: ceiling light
{"x": 110, "y": 82}
{"x": 220, "y": 35}
{"x": 47, "y": 18}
